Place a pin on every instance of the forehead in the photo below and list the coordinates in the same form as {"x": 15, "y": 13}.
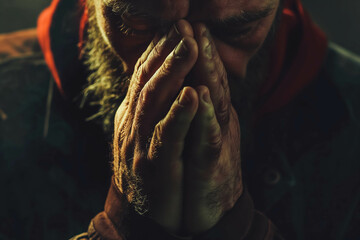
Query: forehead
{"x": 197, "y": 9}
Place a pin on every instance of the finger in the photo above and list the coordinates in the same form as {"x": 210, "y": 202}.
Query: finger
{"x": 125, "y": 110}
{"x": 157, "y": 95}
{"x": 210, "y": 71}
{"x": 167, "y": 142}
{"x": 170, "y": 133}
{"x": 206, "y": 137}
{"x": 150, "y": 62}
{"x": 179, "y": 30}
{"x": 144, "y": 56}
{"x": 165, "y": 154}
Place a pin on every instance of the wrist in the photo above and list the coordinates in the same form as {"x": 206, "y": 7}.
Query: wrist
{"x": 235, "y": 223}
{"x": 120, "y": 221}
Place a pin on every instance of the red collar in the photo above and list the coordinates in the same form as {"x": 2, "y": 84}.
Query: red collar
{"x": 296, "y": 59}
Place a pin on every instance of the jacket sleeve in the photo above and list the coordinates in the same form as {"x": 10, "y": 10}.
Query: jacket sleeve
{"x": 119, "y": 222}
{"x": 243, "y": 222}
{"x": 17, "y": 44}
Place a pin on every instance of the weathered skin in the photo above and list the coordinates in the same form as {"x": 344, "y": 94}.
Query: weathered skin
{"x": 187, "y": 150}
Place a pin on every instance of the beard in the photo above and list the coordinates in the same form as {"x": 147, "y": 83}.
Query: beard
{"x": 106, "y": 82}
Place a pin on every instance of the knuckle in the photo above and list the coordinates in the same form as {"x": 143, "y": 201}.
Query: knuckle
{"x": 119, "y": 115}
{"x": 212, "y": 73}
{"x": 214, "y": 147}
{"x": 223, "y": 78}
{"x": 156, "y": 141}
{"x": 218, "y": 62}
{"x": 144, "y": 96}
{"x": 142, "y": 74}
{"x": 161, "y": 132}
{"x": 144, "y": 56}
{"x": 222, "y": 111}
{"x": 225, "y": 86}
{"x": 121, "y": 136}
{"x": 210, "y": 115}
{"x": 121, "y": 133}
{"x": 156, "y": 52}
{"x": 166, "y": 67}
{"x": 139, "y": 63}
{"x": 216, "y": 142}
{"x": 167, "y": 132}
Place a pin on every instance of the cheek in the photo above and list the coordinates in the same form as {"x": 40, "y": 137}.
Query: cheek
{"x": 129, "y": 49}
{"x": 235, "y": 60}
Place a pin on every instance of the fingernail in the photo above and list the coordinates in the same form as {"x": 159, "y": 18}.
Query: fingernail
{"x": 176, "y": 28}
{"x": 207, "y": 47}
{"x": 181, "y": 49}
{"x": 184, "y": 100}
{"x": 206, "y": 96}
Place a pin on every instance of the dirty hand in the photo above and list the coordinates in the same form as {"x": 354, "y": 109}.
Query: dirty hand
{"x": 182, "y": 154}
{"x": 151, "y": 125}
{"x": 212, "y": 171}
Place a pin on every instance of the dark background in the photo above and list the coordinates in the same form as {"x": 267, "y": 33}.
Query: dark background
{"x": 339, "y": 18}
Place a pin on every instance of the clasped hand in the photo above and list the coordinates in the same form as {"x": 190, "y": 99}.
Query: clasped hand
{"x": 178, "y": 154}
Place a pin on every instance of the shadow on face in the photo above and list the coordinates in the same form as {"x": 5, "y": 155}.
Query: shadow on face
{"x": 238, "y": 27}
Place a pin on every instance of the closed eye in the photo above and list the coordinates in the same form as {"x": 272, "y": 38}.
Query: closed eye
{"x": 130, "y": 31}
{"x": 244, "y": 27}
{"x": 244, "y": 36}
{"x": 135, "y": 26}
{"x": 231, "y": 33}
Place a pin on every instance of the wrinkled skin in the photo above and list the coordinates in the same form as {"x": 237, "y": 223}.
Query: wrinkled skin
{"x": 185, "y": 147}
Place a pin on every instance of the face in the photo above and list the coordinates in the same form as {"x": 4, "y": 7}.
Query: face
{"x": 121, "y": 30}
{"x": 239, "y": 27}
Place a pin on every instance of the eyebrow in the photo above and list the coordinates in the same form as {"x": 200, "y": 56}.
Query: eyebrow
{"x": 120, "y": 7}
{"x": 243, "y": 18}
{"x": 125, "y": 6}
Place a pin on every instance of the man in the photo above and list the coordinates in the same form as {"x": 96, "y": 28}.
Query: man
{"x": 183, "y": 80}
